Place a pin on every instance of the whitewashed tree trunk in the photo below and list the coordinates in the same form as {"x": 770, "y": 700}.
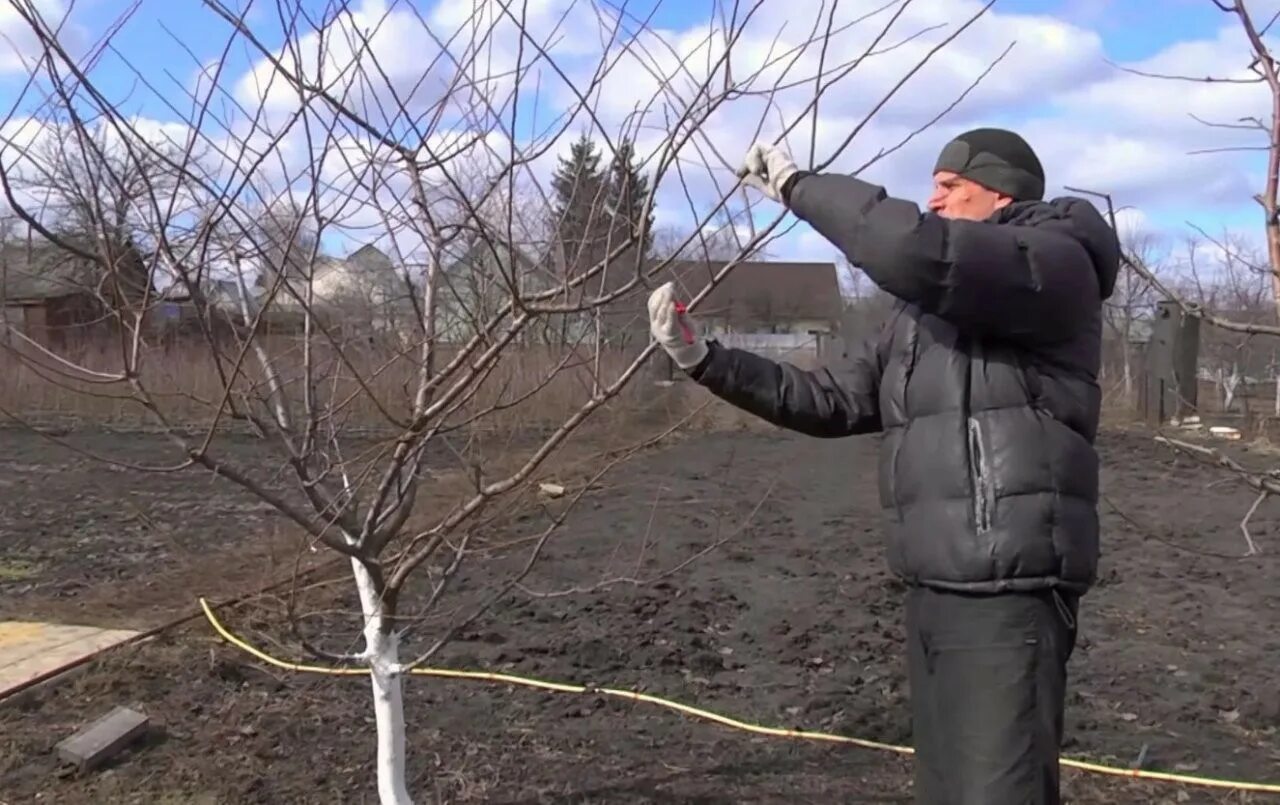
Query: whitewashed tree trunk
{"x": 1229, "y": 382}
{"x": 382, "y": 651}
{"x": 1128, "y": 377}
{"x": 1126, "y": 352}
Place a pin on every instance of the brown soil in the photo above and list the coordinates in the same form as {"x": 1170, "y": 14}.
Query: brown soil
{"x": 793, "y": 622}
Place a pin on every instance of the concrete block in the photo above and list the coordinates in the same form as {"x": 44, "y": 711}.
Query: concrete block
{"x": 103, "y": 739}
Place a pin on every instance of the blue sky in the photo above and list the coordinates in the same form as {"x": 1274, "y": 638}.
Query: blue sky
{"x": 1089, "y": 121}
{"x": 1130, "y": 30}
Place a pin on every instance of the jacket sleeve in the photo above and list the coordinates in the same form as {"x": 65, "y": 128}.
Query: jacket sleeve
{"x": 816, "y": 403}
{"x": 1020, "y": 283}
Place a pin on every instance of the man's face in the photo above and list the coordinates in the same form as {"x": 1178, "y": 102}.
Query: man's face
{"x": 957, "y": 197}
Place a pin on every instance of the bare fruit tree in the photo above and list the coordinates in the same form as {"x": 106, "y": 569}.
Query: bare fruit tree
{"x": 470, "y": 302}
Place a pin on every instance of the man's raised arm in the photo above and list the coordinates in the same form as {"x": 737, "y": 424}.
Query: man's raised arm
{"x": 814, "y": 402}
{"x": 1019, "y": 283}
{"x": 1011, "y": 281}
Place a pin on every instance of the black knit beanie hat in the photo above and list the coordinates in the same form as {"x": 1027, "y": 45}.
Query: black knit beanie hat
{"x": 996, "y": 159}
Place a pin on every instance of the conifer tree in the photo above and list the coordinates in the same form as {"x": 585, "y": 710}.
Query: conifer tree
{"x": 580, "y": 219}
{"x": 628, "y": 196}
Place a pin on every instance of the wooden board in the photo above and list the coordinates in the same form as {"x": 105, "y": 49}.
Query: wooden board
{"x": 29, "y": 650}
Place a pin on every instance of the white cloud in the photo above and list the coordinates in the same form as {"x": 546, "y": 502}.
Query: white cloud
{"x": 382, "y": 63}
{"x": 657, "y": 75}
{"x": 53, "y": 170}
{"x": 1136, "y": 135}
{"x": 20, "y": 47}
{"x": 1131, "y": 223}
{"x": 373, "y": 54}
{"x": 1108, "y": 130}
{"x": 1134, "y": 103}
{"x": 1147, "y": 171}
{"x": 1094, "y": 126}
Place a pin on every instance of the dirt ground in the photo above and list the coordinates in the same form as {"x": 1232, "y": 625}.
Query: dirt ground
{"x": 793, "y": 621}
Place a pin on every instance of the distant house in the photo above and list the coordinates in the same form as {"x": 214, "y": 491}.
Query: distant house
{"x": 175, "y": 313}
{"x": 363, "y": 293}
{"x": 788, "y": 310}
{"x": 755, "y": 297}
{"x": 783, "y": 310}
{"x": 475, "y": 281}
{"x": 764, "y": 297}
{"x": 56, "y": 296}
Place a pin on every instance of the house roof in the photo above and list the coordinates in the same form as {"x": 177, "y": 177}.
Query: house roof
{"x": 32, "y": 272}
{"x": 760, "y": 291}
{"x": 42, "y": 271}
{"x": 368, "y": 262}
{"x": 468, "y": 255}
{"x": 369, "y": 254}
{"x": 754, "y": 292}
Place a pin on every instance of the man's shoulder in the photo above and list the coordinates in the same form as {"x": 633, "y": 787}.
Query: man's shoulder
{"x": 1077, "y": 210}
{"x": 1075, "y": 218}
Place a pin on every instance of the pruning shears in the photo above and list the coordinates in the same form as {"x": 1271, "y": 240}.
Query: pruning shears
{"x": 685, "y": 329}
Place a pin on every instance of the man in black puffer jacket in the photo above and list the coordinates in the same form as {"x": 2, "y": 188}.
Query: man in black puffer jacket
{"x": 984, "y": 383}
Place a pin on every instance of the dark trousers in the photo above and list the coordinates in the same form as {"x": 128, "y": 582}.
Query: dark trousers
{"x": 988, "y": 686}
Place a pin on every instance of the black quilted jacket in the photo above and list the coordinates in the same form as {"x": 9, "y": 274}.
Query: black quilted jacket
{"x": 984, "y": 382}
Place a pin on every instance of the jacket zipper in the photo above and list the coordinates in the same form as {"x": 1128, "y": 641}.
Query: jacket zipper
{"x": 981, "y": 478}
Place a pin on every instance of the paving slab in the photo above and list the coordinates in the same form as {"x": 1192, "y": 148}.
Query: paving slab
{"x": 98, "y": 742}
{"x": 30, "y": 649}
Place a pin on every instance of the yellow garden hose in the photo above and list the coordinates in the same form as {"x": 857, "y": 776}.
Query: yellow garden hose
{"x": 707, "y": 715}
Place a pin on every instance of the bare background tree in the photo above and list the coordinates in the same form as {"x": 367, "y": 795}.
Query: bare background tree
{"x": 414, "y": 390}
{"x": 1125, "y": 313}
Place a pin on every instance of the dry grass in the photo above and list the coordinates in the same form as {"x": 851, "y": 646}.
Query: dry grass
{"x": 371, "y": 386}
{"x": 367, "y": 385}
{"x": 1119, "y": 412}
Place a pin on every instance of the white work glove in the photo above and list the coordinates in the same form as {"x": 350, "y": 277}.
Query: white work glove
{"x": 673, "y": 329}
{"x": 767, "y": 168}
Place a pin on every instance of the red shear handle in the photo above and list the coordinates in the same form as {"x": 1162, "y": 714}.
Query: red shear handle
{"x": 685, "y": 329}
